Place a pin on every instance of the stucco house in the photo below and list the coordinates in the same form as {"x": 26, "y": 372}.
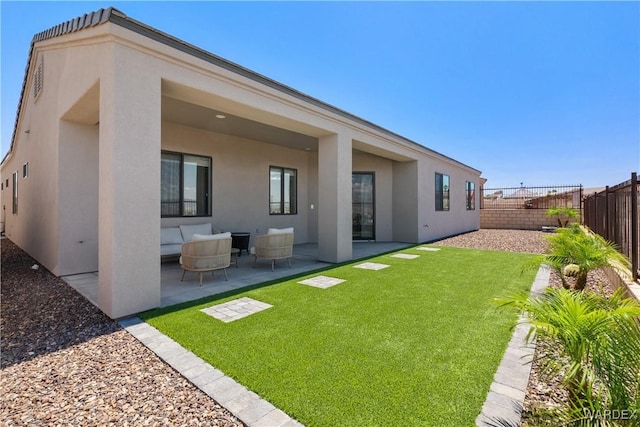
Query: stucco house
{"x": 123, "y": 129}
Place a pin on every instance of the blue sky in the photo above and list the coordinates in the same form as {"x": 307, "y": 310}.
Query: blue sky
{"x": 541, "y": 93}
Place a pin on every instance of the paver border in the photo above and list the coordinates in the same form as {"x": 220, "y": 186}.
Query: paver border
{"x": 246, "y": 405}
{"x": 505, "y": 400}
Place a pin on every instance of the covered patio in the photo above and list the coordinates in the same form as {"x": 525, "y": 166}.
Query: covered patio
{"x": 173, "y": 291}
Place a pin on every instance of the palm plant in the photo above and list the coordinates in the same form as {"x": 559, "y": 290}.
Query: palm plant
{"x": 563, "y": 215}
{"x": 598, "y": 353}
{"x": 575, "y": 251}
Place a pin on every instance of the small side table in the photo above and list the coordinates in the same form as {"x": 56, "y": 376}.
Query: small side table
{"x": 234, "y": 256}
{"x": 240, "y": 240}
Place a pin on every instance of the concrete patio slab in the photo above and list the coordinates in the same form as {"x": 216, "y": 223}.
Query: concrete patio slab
{"x": 173, "y": 291}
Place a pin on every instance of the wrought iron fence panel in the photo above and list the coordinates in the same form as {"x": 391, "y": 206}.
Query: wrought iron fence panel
{"x": 613, "y": 214}
{"x": 532, "y": 197}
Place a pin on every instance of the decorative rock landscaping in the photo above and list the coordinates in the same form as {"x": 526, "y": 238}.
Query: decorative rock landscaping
{"x": 65, "y": 363}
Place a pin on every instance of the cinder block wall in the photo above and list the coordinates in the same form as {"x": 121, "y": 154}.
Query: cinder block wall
{"x": 516, "y": 219}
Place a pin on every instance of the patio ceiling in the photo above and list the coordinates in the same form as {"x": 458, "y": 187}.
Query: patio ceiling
{"x": 199, "y": 117}
{"x": 196, "y": 116}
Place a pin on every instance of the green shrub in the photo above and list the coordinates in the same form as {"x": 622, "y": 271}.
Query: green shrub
{"x": 598, "y": 353}
{"x": 576, "y": 250}
{"x": 563, "y": 215}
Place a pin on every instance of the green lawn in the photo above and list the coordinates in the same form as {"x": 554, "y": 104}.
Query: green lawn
{"x": 417, "y": 343}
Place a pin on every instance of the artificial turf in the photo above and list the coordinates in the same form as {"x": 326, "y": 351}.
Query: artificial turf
{"x": 417, "y": 343}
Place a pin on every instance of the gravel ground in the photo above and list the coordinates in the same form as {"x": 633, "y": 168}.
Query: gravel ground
{"x": 63, "y": 362}
{"x": 500, "y": 240}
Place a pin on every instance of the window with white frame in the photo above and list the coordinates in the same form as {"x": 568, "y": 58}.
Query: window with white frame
{"x": 25, "y": 170}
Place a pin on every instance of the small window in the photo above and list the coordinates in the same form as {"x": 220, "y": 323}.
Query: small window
{"x": 442, "y": 192}
{"x": 283, "y": 191}
{"x": 471, "y": 196}
{"x": 185, "y": 185}
{"x": 25, "y": 170}
{"x": 15, "y": 193}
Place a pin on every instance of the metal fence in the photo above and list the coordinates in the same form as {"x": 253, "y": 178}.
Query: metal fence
{"x": 613, "y": 214}
{"x": 565, "y": 196}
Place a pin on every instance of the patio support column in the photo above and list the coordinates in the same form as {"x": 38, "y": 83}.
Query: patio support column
{"x": 334, "y": 198}
{"x": 129, "y": 187}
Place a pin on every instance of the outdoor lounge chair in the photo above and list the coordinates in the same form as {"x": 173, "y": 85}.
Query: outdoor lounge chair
{"x": 276, "y": 244}
{"x": 206, "y": 253}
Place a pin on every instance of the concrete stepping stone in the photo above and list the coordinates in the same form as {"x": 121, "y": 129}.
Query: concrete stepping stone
{"x": 322, "y": 282}
{"x": 405, "y": 256}
{"x": 428, "y": 249}
{"x": 371, "y": 266}
{"x": 236, "y": 309}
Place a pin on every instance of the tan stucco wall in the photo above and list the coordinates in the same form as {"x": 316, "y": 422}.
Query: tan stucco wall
{"x": 436, "y": 224}
{"x": 241, "y": 180}
{"x": 44, "y": 221}
{"x": 406, "y": 226}
{"x": 78, "y": 198}
{"x": 129, "y": 176}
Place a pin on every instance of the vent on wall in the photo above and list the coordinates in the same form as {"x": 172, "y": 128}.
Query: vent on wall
{"x": 38, "y": 80}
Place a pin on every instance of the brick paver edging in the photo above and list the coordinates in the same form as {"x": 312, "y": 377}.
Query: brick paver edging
{"x": 504, "y": 403}
{"x": 250, "y": 408}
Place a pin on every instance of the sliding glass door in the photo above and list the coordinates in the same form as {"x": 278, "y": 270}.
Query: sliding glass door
{"x": 363, "y": 209}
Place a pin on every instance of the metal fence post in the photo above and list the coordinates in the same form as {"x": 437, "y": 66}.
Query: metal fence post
{"x": 634, "y": 225}
{"x": 607, "y": 208}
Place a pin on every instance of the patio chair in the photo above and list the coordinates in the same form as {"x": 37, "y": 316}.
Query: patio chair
{"x": 276, "y": 244}
{"x": 206, "y": 253}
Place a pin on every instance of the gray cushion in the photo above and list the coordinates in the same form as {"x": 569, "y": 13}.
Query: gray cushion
{"x": 174, "y": 249}
{"x": 170, "y": 236}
